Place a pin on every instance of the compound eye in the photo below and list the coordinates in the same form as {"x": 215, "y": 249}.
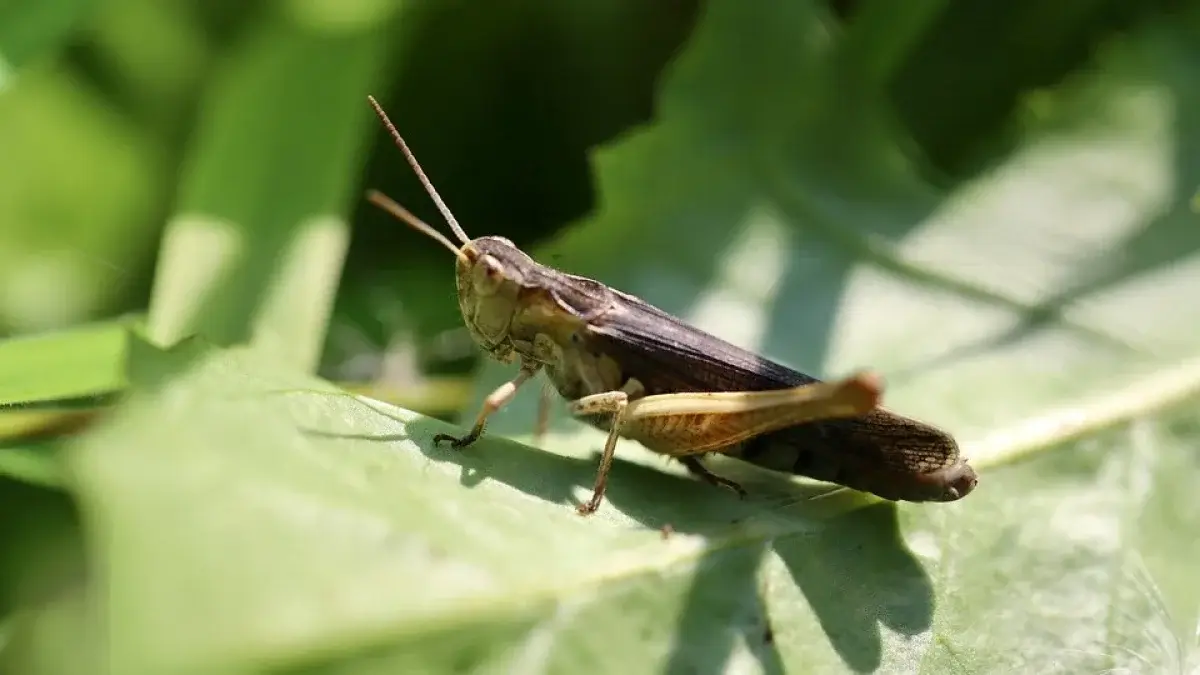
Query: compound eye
{"x": 489, "y": 274}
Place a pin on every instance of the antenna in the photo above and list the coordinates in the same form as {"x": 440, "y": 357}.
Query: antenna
{"x": 412, "y": 161}
{"x": 391, "y": 206}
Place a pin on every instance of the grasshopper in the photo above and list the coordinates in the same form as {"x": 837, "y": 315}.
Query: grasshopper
{"x": 637, "y": 372}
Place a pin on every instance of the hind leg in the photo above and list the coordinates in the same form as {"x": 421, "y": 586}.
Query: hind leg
{"x": 698, "y": 469}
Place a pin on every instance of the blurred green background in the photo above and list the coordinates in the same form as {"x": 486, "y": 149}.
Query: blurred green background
{"x": 161, "y": 107}
{"x": 1017, "y": 179}
{"x": 118, "y": 116}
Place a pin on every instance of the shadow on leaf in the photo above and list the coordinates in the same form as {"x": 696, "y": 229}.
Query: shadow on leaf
{"x": 849, "y": 562}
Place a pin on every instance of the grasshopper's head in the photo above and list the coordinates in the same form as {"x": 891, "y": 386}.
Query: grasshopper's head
{"x": 489, "y": 275}
{"x": 489, "y": 271}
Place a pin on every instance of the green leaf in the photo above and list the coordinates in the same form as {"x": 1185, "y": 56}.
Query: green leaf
{"x": 67, "y": 364}
{"x": 255, "y": 248}
{"x": 78, "y": 364}
{"x": 285, "y": 523}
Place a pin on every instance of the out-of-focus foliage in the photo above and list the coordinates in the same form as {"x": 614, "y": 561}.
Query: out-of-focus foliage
{"x": 994, "y": 204}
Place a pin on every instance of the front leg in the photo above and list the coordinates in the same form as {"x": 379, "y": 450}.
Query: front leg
{"x": 615, "y": 403}
{"x": 495, "y": 401}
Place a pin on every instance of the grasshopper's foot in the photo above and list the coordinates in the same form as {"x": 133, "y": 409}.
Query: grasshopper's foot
{"x": 696, "y": 468}
{"x": 729, "y": 485}
{"x": 456, "y": 442}
{"x": 589, "y": 507}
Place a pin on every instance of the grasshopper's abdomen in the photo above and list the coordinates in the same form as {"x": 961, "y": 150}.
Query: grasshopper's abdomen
{"x": 881, "y": 452}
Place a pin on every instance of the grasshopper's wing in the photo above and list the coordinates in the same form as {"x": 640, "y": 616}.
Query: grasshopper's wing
{"x": 881, "y": 452}
{"x": 668, "y": 355}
